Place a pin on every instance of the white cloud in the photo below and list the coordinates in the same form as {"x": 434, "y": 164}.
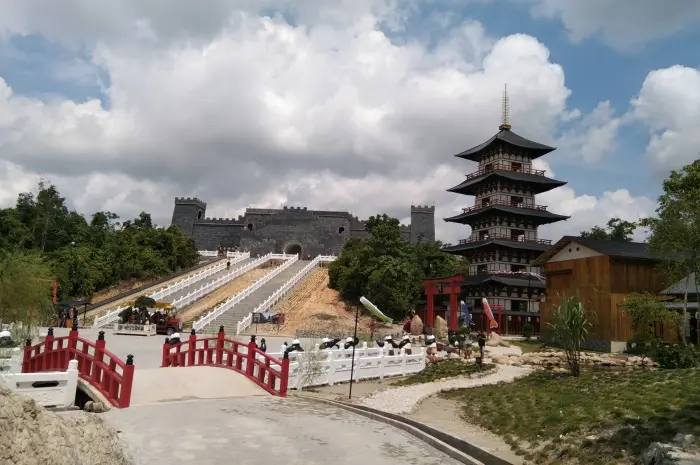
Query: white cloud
{"x": 252, "y": 110}
{"x": 669, "y": 105}
{"x": 593, "y": 136}
{"x": 621, "y": 23}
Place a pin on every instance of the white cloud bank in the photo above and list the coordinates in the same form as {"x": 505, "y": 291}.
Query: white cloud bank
{"x": 323, "y": 111}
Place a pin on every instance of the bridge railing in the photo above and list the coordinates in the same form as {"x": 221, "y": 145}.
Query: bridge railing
{"x": 112, "y": 316}
{"x": 49, "y": 388}
{"x": 282, "y": 291}
{"x": 270, "y": 373}
{"x": 230, "y": 303}
{"x": 112, "y": 377}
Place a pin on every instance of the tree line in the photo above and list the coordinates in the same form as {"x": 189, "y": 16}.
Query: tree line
{"x": 42, "y": 240}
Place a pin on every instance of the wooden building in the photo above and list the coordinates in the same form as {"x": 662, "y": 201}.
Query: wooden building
{"x": 604, "y": 273}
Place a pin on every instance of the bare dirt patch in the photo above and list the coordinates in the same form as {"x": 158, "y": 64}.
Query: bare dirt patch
{"x": 124, "y": 286}
{"x": 313, "y": 306}
{"x": 225, "y": 292}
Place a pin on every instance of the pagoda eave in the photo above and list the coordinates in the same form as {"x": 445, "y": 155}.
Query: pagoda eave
{"x": 539, "y": 217}
{"x": 469, "y": 247}
{"x": 534, "y": 149}
{"x": 537, "y": 184}
{"x": 505, "y": 281}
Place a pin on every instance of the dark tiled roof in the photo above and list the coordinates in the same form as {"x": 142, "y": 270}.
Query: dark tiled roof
{"x": 456, "y": 249}
{"x": 538, "y": 184}
{"x": 679, "y": 288}
{"x": 539, "y": 216}
{"x": 476, "y": 280}
{"x": 616, "y": 249}
{"x": 536, "y": 149}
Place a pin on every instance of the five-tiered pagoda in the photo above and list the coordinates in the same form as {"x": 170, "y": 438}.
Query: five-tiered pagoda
{"x": 504, "y": 221}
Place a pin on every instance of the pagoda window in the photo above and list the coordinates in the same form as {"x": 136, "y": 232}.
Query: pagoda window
{"x": 516, "y": 166}
{"x": 516, "y": 201}
{"x": 488, "y": 167}
{"x": 517, "y": 235}
{"x": 483, "y": 235}
{"x": 485, "y": 202}
{"x": 518, "y": 268}
{"x": 482, "y": 269}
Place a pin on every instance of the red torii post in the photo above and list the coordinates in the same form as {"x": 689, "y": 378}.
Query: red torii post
{"x": 454, "y": 303}
{"x": 452, "y": 289}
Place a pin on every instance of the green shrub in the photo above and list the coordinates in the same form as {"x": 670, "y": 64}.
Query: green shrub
{"x": 673, "y": 356}
{"x": 641, "y": 343}
{"x": 528, "y": 331}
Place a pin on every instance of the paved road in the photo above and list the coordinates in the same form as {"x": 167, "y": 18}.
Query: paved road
{"x": 262, "y": 431}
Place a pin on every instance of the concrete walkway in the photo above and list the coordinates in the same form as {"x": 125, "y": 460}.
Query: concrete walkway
{"x": 155, "y": 385}
{"x": 264, "y": 430}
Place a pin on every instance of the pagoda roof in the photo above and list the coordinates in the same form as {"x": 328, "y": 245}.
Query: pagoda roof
{"x": 521, "y": 281}
{"x": 509, "y": 137}
{"x": 537, "y": 213}
{"x": 538, "y": 183}
{"x": 468, "y": 245}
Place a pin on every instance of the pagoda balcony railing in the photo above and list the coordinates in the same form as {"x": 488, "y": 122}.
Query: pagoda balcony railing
{"x": 506, "y": 203}
{"x": 505, "y": 237}
{"x": 504, "y": 167}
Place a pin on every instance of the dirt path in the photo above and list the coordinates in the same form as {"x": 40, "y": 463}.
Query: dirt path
{"x": 313, "y": 306}
{"x": 91, "y": 315}
{"x": 203, "y": 306}
{"x": 445, "y": 415}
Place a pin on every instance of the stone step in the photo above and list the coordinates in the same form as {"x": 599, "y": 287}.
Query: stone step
{"x": 233, "y": 316}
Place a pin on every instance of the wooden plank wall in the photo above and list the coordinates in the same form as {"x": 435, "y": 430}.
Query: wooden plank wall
{"x": 591, "y": 278}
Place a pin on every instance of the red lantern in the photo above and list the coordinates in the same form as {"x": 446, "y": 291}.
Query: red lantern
{"x": 538, "y": 319}
{"x": 519, "y": 319}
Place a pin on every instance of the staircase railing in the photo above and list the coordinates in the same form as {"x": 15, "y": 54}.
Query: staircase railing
{"x": 181, "y": 302}
{"x": 230, "y": 303}
{"x": 113, "y": 315}
{"x": 282, "y": 291}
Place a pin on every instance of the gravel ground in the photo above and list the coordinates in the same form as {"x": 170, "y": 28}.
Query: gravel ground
{"x": 402, "y": 400}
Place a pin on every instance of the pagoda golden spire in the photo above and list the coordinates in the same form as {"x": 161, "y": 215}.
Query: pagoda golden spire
{"x": 505, "y": 111}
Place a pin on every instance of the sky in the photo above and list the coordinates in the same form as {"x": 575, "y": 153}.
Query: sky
{"x": 354, "y": 105}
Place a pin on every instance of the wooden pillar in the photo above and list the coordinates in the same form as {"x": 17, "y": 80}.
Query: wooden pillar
{"x": 430, "y": 307}
{"x": 454, "y": 304}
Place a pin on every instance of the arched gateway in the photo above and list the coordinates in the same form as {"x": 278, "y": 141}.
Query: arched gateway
{"x": 292, "y": 248}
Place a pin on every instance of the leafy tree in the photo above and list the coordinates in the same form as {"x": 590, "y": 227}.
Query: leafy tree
{"x": 386, "y": 269}
{"x": 615, "y": 230}
{"x": 675, "y": 231}
{"x": 646, "y": 312}
{"x": 86, "y": 257}
{"x": 25, "y": 291}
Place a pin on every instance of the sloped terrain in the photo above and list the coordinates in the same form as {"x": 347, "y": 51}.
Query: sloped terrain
{"x": 313, "y": 306}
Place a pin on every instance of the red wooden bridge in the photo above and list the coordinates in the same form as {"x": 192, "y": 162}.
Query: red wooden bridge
{"x": 112, "y": 377}
{"x": 266, "y": 371}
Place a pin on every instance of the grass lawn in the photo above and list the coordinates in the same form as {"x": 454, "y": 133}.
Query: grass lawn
{"x": 599, "y": 418}
{"x": 528, "y": 346}
{"x": 444, "y": 369}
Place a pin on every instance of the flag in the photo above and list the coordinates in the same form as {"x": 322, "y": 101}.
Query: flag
{"x": 374, "y": 310}
{"x": 465, "y": 311}
{"x": 489, "y": 314}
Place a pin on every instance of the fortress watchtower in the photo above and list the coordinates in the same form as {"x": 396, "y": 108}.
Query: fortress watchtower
{"x": 187, "y": 211}
{"x": 422, "y": 223}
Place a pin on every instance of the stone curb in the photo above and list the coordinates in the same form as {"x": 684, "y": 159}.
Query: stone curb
{"x": 458, "y": 449}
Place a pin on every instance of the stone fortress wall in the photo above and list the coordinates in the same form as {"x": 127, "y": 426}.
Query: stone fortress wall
{"x": 286, "y": 230}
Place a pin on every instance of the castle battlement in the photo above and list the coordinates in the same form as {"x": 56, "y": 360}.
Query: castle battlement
{"x": 422, "y": 208}
{"x": 292, "y": 209}
{"x": 229, "y": 221}
{"x": 190, "y": 201}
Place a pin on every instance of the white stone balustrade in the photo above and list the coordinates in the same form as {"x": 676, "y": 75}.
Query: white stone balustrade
{"x": 113, "y": 315}
{"x": 282, "y": 291}
{"x": 60, "y": 395}
{"x": 230, "y": 303}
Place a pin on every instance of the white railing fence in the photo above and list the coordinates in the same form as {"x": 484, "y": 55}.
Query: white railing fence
{"x": 215, "y": 253}
{"x": 113, "y": 315}
{"x": 282, "y": 291}
{"x": 181, "y": 302}
{"x": 60, "y": 395}
{"x": 230, "y": 303}
{"x": 329, "y": 367}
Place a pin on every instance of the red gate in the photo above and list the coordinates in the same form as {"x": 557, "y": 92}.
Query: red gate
{"x": 264, "y": 370}
{"x": 96, "y": 365}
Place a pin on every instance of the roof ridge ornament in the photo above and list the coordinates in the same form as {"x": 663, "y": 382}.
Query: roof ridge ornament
{"x": 505, "y": 111}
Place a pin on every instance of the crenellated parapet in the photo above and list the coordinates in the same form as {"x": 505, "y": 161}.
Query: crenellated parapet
{"x": 190, "y": 201}
{"x": 225, "y": 221}
{"x": 294, "y": 209}
{"x": 423, "y": 209}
